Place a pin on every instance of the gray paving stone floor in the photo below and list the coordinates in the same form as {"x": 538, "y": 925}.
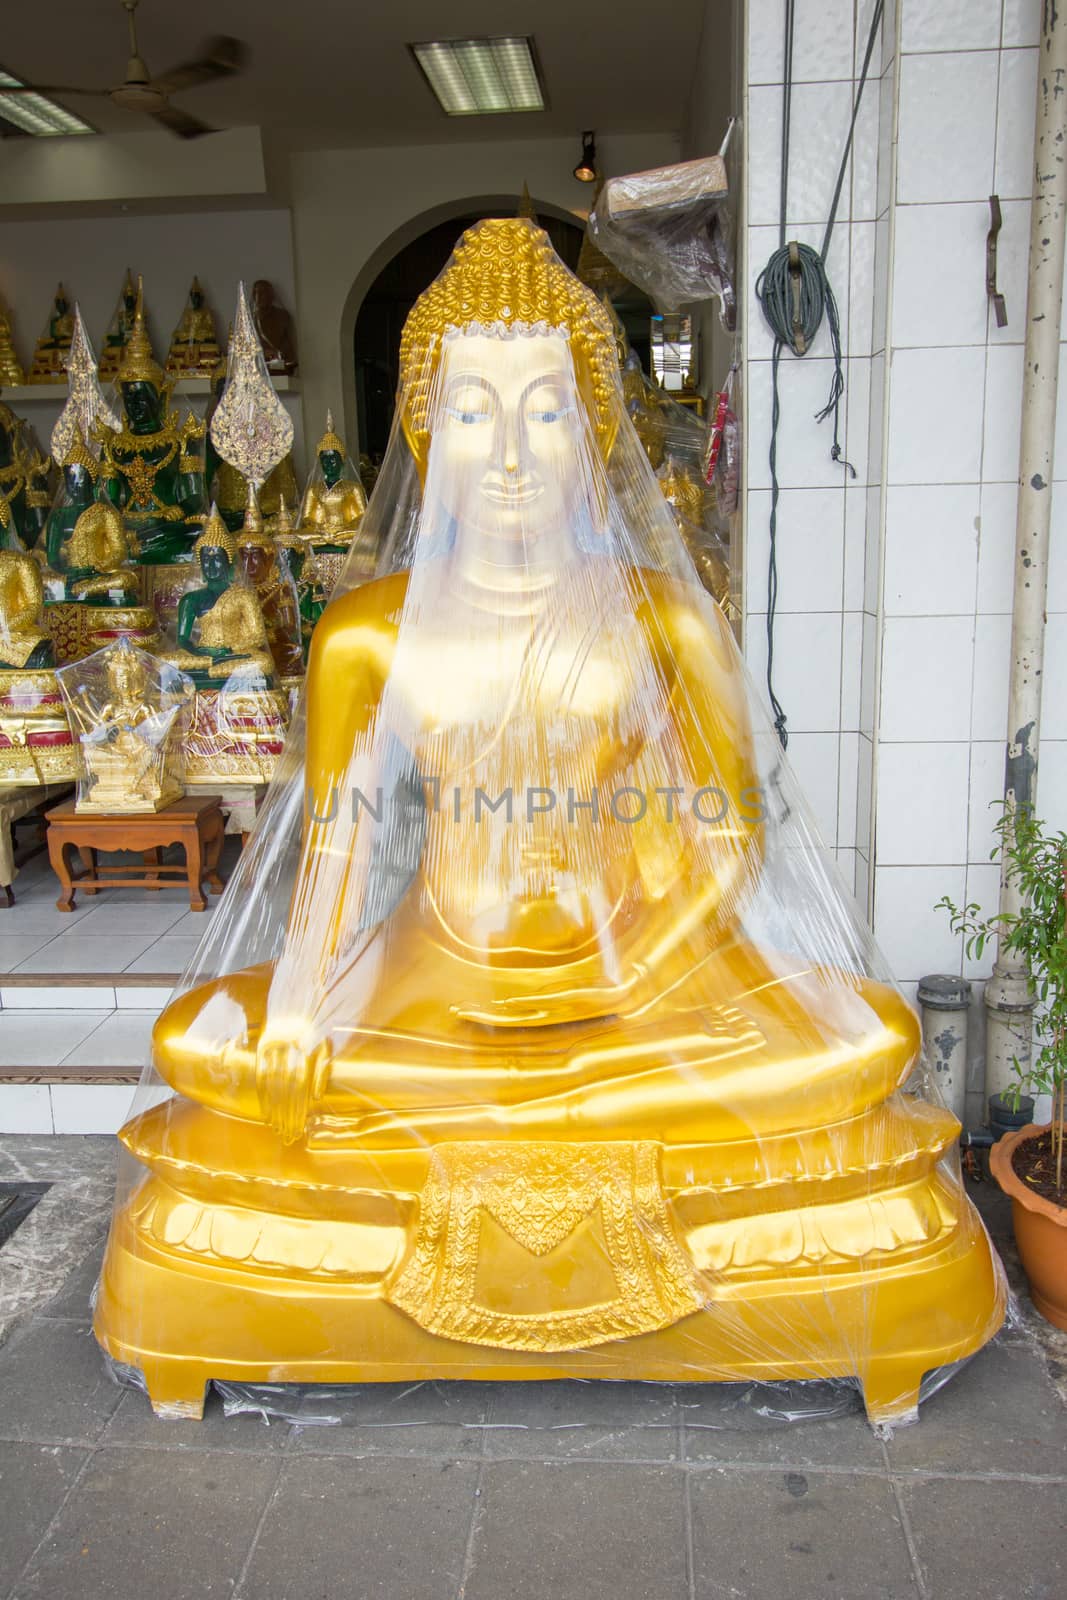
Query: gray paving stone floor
{"x": 504, "y": 1492}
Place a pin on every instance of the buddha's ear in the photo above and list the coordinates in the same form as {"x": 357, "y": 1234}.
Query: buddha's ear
{"x": 418, "y": 443}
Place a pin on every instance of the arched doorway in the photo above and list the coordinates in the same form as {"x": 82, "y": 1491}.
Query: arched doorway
{"x": 380, "y": 318}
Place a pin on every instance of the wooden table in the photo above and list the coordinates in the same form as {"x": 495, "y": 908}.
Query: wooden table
{"x": 195, "y": 822}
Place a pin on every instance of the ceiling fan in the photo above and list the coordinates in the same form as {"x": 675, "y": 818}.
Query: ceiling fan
{"x": 220, "y": 57}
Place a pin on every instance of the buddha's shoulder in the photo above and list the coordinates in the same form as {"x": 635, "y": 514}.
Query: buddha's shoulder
{"x": 380, "y": 599}
{"x": 680, "y": 606}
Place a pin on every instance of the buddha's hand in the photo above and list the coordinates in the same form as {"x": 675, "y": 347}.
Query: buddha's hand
{"x": 287, "y": 1078}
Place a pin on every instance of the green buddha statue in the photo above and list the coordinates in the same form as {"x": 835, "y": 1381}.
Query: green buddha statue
{"x": 221, "y": 629}
{"x": 86, "y": 540}
{"x": 24, "y": 495}
{"x": 332, "y": 511}
{"x": 152, "y": 468}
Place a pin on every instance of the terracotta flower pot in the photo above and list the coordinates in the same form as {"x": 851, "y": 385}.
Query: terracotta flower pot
{"x": 1040, "y": 1230}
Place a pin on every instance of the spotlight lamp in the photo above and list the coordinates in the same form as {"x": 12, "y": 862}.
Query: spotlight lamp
{"x": 585, "y": 171}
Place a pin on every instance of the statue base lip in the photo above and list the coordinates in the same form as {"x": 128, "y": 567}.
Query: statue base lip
{"x": 181, "y": 1322}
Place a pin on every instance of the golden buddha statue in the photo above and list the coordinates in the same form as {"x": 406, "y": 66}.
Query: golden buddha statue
{"x": 128, "y": 713}
{"x": 11, "y": 374}
{"x": 119, "y": 330}
{"x": 194, "y": 346}
{"x": 53, "y": 347}
{"x": 563, "y": 1060}
{"x": 332, "y": 512}
{"x": 24, "y": 491}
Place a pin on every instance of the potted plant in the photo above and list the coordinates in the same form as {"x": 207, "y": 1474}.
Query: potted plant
{"x": 1029, "y": 1164}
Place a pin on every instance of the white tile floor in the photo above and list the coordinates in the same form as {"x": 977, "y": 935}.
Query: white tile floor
{"x": 118, "y": 931}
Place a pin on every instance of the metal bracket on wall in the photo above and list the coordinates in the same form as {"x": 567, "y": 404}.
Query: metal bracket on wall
{"x": 1000, "y": 310}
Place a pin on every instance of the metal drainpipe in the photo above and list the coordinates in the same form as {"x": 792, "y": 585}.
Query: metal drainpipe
{"x": 1008, "y": 996}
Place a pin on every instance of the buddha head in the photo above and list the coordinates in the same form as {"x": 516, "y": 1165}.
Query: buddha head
{"x": 143, "y": 382}
{"x": 331, "y": 453}
{"x": 80, "y": 470}
{"x": 505, "y": 274}
{"x": 216, "y": 551}
{"x": 509, "y": 383}
{"x": 196, "y": 295}
{"x": 292, "y": 553}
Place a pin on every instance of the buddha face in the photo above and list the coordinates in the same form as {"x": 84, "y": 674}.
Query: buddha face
{"x": 331, "y": 464}
{"x": 78, "y": 484}
{"x": 144, "y": 406}
{"x": 215, "y": 565}
{"x": 255, "y": 563}
{"x": 506, "y": 455}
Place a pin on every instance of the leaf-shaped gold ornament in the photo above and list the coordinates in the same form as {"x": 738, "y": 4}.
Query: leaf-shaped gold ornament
{"x": 251, "y": 429}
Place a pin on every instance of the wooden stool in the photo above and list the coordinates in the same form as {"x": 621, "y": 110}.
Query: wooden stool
{"x": 194, "y": 822}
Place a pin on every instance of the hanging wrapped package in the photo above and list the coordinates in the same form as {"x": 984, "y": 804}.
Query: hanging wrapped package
{"x": 668, "y": 231}
{"x": 535, "y": 1034}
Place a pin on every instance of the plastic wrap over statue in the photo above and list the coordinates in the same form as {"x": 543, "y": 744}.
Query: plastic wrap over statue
{"x": 535, "y": 1035}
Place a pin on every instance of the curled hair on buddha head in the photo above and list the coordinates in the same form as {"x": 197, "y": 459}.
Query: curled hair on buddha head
{"x": 502, "y": 272}
{"x": 216, "y": 536}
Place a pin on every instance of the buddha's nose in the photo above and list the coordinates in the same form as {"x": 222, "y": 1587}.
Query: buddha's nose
{"x": 511, "y": 446}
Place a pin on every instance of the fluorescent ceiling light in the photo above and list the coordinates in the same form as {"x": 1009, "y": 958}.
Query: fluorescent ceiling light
{"x": 477, "y": 77}
{"x": 36, "y": 114}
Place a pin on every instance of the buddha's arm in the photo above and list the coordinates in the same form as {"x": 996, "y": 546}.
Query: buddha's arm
{"x": 350, "y": 654}
{"x": 190, "y": 607}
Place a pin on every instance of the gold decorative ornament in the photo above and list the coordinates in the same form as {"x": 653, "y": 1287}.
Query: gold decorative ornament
{"x": 216, "y": 536}
{"x": 330, "y": 440}
{"x": 86, "y": 406}
{"x": 22, "y": 634}
{"x": 250, "y": 428}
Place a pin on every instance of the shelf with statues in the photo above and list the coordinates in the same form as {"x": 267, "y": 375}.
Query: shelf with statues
{"x": 54, "y": 394}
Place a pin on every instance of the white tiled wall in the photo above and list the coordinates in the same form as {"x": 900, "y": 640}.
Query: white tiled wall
{"x": 907, "y": 573}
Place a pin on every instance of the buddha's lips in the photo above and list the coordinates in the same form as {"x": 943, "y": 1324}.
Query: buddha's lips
{"x": 510, "y": 498}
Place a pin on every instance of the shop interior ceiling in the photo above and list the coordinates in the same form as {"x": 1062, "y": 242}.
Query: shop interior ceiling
{"x": 327, "y": 73}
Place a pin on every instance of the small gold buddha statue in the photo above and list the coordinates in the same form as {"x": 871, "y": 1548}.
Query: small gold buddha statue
{"x": 152, "y": 467}
{"x": 279, "y": 600}
{"x": 332, "y": 512}
{"x": 53, "y": 347}
{"x": 24, "y": 643}
{"x": 194, "y": 346}
{"x": 11, "y": 374}
{"x": 557, "y": 1081}
{"x": 221, "y": 629}
{"x": 128, "y": 720}
{"x": 119, "y": 329}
